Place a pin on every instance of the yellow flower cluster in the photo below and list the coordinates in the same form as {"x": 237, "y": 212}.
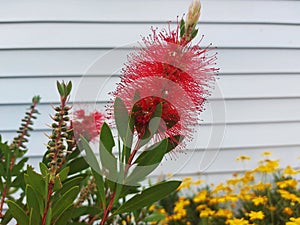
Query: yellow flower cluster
{"x": 263, "y": 195}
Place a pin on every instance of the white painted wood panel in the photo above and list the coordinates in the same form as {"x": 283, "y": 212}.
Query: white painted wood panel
{"x": 237, "y": 111}
{"x": 211, "y": 137}
{"x": 248, "y": 11}
{"x": 77, "y": 62}
{"x": 64, "y": 35}
{"x": 98, "y": 88}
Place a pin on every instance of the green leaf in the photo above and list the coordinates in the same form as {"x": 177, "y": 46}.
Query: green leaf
{"x": 100, "y": 187}
{"x": 90, "y": 156}
{"x": 153, "y": 125}
{"x": 69, "y": 88}
{"x": 194, "y": 33}
{"x": 18, "y": 213}
{"x": 148, "y": 196}
{"x": 108, "y": 160}
{"x": 64, "y": 202}
{"x": 77, "y": 165}
{"x": 18, "y": 167}
{"x": 182, "y": 28}
{"x": 43, "y": 169}
{"x": 63, "y": 174}
{"x": 35, "y": 202}
{"x": 65, "y": 216}
{"x": 85, "y": 210}
{"x": 60, "y": 88}
{"x": 125, "y": 125}
{"x": 147, "y": 161}
{"x": 72, "y": 182}
{"x": 106, "y": 138}
{"x": 33, "y": 220}
{"x": 36, "y": 181}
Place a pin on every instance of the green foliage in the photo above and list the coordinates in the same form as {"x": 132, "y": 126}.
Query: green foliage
{"x": 83, "y": 189}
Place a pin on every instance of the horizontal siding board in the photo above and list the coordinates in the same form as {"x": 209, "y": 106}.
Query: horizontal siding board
{"x": 79, "y": 62}
{"x": 106, "y": 35}
{"x": 209, "y": 163}
{"x": 148, "y": 11}
{"x": 212, "y": 137}
{"x": 236, "y": 111}
{"x": 98, "y": 88}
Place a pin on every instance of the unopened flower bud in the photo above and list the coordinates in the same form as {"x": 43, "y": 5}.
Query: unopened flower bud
{"x": 193, "y": 15}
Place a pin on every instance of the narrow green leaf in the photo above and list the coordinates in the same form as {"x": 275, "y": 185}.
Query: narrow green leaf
{"x": 69, "y": 88}
{"x": 68, "y": 184}
{"x": 65, "y": 201}
{"x": 19, "y": 167}
{"x": 148, "y": 196}
{"x": 34, "y": 201}
{"x": 35, "y": 180}
{"x": 60, "y": 88}
{"x": 182, "y": 28}
{"x": 43, "y": 169}
{"x": 100, "y": 187}
{"x": 33, "y": 218}
{"x": 18, "y": 213}
{"x": 90, "y": 156}
{"x": 63, "y": 174}
{"x": 148, "y": 161}
{"x": 124, "y": 124}
{"x": 107, "y": 138}
{"x": 194, "y": 33}
{"x": 65, "y": 216}
{"x": 77, "y": 165}
{"x": 153, "y": 125}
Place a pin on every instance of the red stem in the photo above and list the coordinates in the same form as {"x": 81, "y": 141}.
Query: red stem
{"x": 108, "y": 208}
{"x": 50, "y": 191}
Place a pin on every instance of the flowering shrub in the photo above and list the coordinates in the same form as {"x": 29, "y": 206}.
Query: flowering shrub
{"x": 163, "y": 87}
{"x": 264, "y": 195}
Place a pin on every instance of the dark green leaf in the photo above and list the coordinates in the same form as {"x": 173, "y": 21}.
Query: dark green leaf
{"x": 43, "y": 169}
{"x": 147, "y": 161}
{"x": 36, "y": 181}
{"x": 35, "y": 202}
{"x": 65, "y": 216}
{"x": 63, "y": 174}
{"x": 153, "y": 125}
{"x": 194, "y": 33}
{"x": 72, "y": 182}
{"x": 90, "y": 156}
{"x": 100, "y": 187}
{"x": 18, "y": 213}
{"x": 19, "y": 166}
{"x": 106, "y": 138}
{"x": 182, "y": 28}
{"x": 77, "y": 165}
{"x": 125, "y": 124}
{"x": 64, "y": 202}
{"x": 148, "y": 196}
{"x": 69, "y": 88}
{"x": 85, "y": 210}
{"x": 60, "y": 88}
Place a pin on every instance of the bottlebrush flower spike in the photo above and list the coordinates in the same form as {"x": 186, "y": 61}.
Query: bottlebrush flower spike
{"x": 168, "y": 70}
{"x": 87, "y": 125}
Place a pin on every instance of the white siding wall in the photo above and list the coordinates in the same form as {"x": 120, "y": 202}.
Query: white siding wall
{"x": 259, "y": 51}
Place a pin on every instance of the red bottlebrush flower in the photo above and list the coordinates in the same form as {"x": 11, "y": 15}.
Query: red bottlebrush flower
{"x": 87, "y": 125}
{"x": 170, "y": 71}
